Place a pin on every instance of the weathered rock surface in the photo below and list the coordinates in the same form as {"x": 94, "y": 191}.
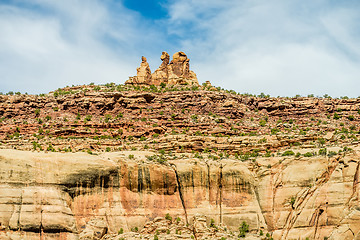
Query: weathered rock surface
{"x": 288, "y": 167}
{"x": 176, "y": 72}
{"x": 143, "y": 76}
{"x": 77, "y": 194}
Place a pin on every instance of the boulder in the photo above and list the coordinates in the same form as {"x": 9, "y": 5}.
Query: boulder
{"x": 95, "y": 229}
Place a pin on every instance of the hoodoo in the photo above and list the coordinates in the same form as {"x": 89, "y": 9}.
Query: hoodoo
{"x": 176, "y": 72}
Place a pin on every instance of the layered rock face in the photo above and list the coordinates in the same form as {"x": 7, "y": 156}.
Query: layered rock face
{"x": 176, "y": 72}
{"x": 58, "y": 195}
{"x": 98, "y": 159}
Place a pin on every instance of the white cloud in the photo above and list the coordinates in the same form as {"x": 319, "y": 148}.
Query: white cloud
{"x": 276, "y": 47}
{"x": 52, "y": 44}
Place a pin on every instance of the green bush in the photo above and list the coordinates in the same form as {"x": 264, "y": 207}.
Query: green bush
{"x": 351, "y": 118}
{"x": 331, "y": 153}
{"x": 168, "y": 217}
{"x": 243, "y": 229}
{"x": 262, "y": 123}
{"x": 107, "y": 118}
{"x": 308, "y": 154}
{"x": 292, "y": 201}
{"x": 212, "y": 223}
{"x": 88, "y": 118}
{"x": 336, "y": 116}
{"x": 274, "y": 130}
{"x": 288, "y": 153}
{"x": 322, "y": 151}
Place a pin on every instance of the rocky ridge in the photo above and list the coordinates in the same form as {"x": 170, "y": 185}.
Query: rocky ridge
{"x": 87, "y": 161}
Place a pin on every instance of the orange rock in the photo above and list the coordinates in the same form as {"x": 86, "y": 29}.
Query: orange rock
{"x": 143, "y": 76}
{"x": 174, "y": 73}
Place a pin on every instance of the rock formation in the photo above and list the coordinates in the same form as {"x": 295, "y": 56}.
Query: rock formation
{"x": 85, "y": 162}
{"x": 143, "y": 76}
{"x": 162, "y": 73}
{"x": 68, "y": 194}
{"x": 176, "y": 72}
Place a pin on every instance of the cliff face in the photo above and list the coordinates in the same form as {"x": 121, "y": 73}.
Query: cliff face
{"x": 54, "y": 195}
{"x": 91, "y": 160}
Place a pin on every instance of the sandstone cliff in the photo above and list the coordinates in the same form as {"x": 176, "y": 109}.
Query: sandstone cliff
{"x": 88, "y": 161}
{"x": 56, "y": 194}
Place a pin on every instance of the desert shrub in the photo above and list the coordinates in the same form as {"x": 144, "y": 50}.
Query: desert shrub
{"x": 288, "y": 153}
{"x": 212, "y": 223}
{"x": 308, "y": 154}
{"x": 322, "y": 151}
{"x": 274, "y": 130}
{"x": 168, "y": 217}
{"x": 336, "y": 116}
{"x": 107, "y": 118}
{"x": 243, "y": 229}
{"x": 88, "y": 118}
{"x": 262, "y": 122}
{"x": 292, "y": 201}
{"x": 331, "y": 153}
{"x": 351, "y": 118}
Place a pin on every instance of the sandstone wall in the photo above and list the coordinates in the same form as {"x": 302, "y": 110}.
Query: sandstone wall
{"x": 54, "y": 195}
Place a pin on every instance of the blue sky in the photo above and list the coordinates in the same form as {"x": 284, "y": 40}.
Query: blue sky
{"x": 278, "y": 47}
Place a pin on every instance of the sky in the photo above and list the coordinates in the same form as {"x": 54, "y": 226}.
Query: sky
{"x": 278, "y": 47}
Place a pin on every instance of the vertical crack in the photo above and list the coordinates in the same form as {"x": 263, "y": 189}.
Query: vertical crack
{"x": 354, "y": 195}
{"x": 180, "y": 191}
{"x": 220, "y": 191}
{"x": 20, "y": 205}
{"x": 256, "y": 193}
{"x": 314, "y": 221}
{"x": 208, "y": 180}
{"x": 41, "y": 226}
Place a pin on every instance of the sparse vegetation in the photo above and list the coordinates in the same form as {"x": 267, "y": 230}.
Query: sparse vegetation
{"x": 243, "y": 229}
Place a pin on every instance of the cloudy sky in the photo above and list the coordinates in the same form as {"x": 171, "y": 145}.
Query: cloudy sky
{"x": 278, "y": 47}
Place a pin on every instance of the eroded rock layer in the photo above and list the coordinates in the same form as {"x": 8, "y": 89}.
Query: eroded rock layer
{"x": 117, "y": 161}
{"x": 59, "y": 193}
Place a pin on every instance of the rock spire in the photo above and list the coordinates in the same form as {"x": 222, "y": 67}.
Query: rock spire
{"x": 175, "y": 72}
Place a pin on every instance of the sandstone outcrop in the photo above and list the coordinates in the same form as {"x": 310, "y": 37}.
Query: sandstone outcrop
{"x": 143, "y": 76}
{"x": 76, "y": 194}
{"x": 98, "y": 159}
{"x": 176, "y": 72}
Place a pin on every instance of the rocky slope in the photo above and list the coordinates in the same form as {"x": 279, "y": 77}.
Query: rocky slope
{"x": 88, "y": 161}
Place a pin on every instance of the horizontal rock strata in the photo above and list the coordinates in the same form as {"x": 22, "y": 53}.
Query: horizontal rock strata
{"x": 59, "y": 193}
